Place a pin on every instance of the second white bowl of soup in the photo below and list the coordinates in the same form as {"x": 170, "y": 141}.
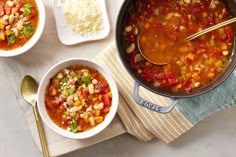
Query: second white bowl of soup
{"x": 77, "y": 98}
{"x": 21, "y": 25}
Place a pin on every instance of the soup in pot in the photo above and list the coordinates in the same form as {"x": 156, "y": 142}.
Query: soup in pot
{"x": 162, "y": 27}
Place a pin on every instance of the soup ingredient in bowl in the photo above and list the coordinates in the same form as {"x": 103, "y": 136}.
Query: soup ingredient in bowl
{"x": 18, "y": 21}
{"x": 165, "y": 26}
{"x": 85, "y": 16}
{"x": 78, "y": 98}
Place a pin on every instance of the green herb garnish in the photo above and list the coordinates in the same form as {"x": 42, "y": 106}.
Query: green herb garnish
{"x": 11, "y": 39}
{"x": 74, "y": 126}
{"x": 85, "y": 79}
{"x": 72, "y": 90}
{"x": 27, "y": 29}
{"x": 26, "y": 9}
{"x": 65, "y": 80}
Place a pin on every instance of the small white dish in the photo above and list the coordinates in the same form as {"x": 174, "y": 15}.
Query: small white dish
{"x": 65, "y": 33}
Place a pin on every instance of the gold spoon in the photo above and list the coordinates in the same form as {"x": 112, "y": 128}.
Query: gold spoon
{"x": 191, "y": 37}
{"x": 29, "y": 88}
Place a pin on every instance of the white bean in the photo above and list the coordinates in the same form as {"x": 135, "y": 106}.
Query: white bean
{"x": 91, "y": 88}
{"x": 128, "y": 28}
{"x": 131, "y": 48}
{"x": 91, "y": 121}
{"x": 10, "y": 3}
{"x": 98, "y": 106}
{"x": 94, "y": 81}
{"x": 5, "y": 17}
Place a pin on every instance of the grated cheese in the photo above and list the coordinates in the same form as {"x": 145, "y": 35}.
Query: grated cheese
{"x": 84, "y": 16}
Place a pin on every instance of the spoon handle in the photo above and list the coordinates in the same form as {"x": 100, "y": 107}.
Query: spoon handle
{"x": 193, "y": 36}
{"x": 40, "y": 131}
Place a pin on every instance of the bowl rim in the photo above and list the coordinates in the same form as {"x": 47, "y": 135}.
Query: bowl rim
{"x": 36, "y": 36}
{"x": 41, "y": 91}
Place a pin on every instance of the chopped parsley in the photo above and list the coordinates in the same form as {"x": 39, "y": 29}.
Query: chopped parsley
{"x": 74, "y": 126}
{"x": 72, "y": 90}
{"x": 26, "y": 9}
{"x": 11, "y": 39}
{"x": 27, "y": 29}
{"x": 85, "y": 79}
{"x": 65, "y": 80}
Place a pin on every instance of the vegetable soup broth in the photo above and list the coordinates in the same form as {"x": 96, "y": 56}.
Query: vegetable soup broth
{"x": 78, "y": 98}
{"x": 164, "y": 26}
{"x": 16, "y": 32}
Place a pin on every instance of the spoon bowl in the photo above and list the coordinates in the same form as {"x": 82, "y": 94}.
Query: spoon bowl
{"x": 155, "y": 57}
{"x": 29, "y": 88}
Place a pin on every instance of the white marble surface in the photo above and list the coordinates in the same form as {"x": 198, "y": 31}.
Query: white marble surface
{"x": 214, "y": 136}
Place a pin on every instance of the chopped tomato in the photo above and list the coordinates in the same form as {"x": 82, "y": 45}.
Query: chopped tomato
{"x": 52, "y": 91}
{"x": 106, "y": 100}
{"x": 32, "y": 14}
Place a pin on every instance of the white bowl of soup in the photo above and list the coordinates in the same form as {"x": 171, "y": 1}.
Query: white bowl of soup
{"x": 77, "y": 98}
{"x": 21, "y": 25}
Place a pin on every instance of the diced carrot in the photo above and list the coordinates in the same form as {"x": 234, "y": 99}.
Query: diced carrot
{"x": 190, "y": 56}
{"x": 86, "y": 118}
{"x": 150, "y": 19}
{"x": 201, "y": 50}
{"x": 211, "y": 75}
{"x": 109, "y": 94}
{"x": 52, "y": 91}
{"x": 77, "y": 103}
{"x": 2, "y": 26}
{"x": 100, "y": 97}
{"x": 57, "y": 82}
{"x": 196, "y": 76}
{"x": 146, "y": 25}
{"x": 179, "y": 85}
{"x": 204, "y": 14}
{"x": 97, "y": 112}
{"x": 8, "y": 32}
{"x": 2, "y": 36}
{"x": 106, "y": 109}
{"x": 224, "y": 46}
{"x": 95, "y": 99}
{"x": 81, "y": 97}
{"x": 99, "y": 119}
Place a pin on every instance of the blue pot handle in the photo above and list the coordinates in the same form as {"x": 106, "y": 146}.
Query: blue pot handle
{"x": 149, "y": 105}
